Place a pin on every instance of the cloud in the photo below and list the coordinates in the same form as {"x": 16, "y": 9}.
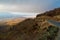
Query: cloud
{"x": 35, "y": 6}
{"x": 27, "y": 15}
{"x": 17, "y": 8}
{"x": 27, "y": 8}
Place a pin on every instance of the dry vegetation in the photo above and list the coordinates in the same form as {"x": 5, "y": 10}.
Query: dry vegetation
{"x": 14, "y": 21}
{"x": 33, "y": 29}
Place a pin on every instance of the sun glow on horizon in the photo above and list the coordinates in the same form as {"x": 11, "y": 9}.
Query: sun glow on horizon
{"x": 25, "y": 14}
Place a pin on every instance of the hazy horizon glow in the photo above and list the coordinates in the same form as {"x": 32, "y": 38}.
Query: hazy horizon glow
{"x": 18, "y": 14}
{"x": 27, "y": 15}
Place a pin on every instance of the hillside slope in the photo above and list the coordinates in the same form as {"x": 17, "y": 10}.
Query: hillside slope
{"x": 34, "y": 29}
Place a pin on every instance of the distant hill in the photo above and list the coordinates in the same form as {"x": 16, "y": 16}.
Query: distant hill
{"x": 34, "y": 29}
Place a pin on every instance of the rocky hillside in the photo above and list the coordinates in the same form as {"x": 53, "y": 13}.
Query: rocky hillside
{"x": 34, "y": 29}
{"x": 51, "y": 13}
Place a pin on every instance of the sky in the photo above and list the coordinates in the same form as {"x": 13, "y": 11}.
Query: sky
{"x": 28, "y": 7}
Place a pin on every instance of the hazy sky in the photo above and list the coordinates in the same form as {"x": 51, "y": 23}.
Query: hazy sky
{"x": 28, "y": 6}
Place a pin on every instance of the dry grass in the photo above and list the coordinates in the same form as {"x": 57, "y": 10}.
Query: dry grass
{"x": 13, "y": 21}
